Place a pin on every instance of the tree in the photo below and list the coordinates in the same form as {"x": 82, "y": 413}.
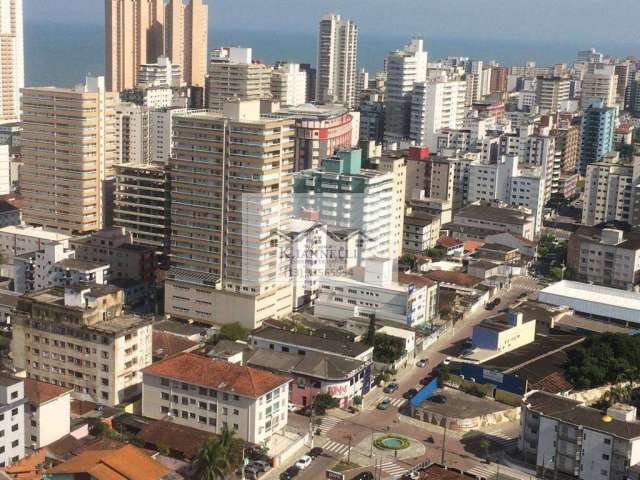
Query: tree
{"x": 234, "y": 331}
{"x": 99, "y": 429}
{"x": 325, "y": 401}
{"x": 371, "y": 333}
{"x": 387, "y": 348}
{"x": 212, "y": 461}
{"x": 484, "y": 445}
{"x": 443, "y": 374}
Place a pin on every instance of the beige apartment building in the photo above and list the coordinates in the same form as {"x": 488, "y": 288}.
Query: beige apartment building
{"x": 11, "y": 59}
{"x": 69, "y": 148}
{"x": 186, "y": 41}
{"x": 80, "y": 338}
{"x": 396, "y": 164}
{"x": 140, "y": 31}
{"x": 211, "y": 395}
{"x": 231, "y": 193}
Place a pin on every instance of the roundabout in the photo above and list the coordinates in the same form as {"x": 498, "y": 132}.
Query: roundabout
{"x": 391, "y": 442}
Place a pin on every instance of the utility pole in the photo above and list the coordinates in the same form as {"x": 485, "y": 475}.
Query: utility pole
{"x": 349, "y": 436}
{"x": 444, "y": 441}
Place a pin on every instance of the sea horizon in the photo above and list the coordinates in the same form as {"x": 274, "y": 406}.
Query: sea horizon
{"x": 62, "y": 54}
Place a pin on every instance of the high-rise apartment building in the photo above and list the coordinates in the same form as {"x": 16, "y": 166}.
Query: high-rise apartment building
{"x": 499, "y": 77}
{"x": 162, "y": 73}
{"x": 599, "y": 83}
{"x": 436, "y": 104}
{"x": 567, "y": 146}
{"x": 598, "y": 123}
{"x": 11, "y": 59}
{"x": 186, "y": 41}
{"x": 404, "y": 68}
{"x": 289, "y": 84}
{"x": 311, "y": 80}
{"x": 232, "y": 74}
{"x": 337, "y": 60}
{"x": 134, "y": 35}
{"x": 551, "y": 92}
{"x": 231, "y": 190}
{"x": 133, "y": 134}
{"x": 65, "y": 167}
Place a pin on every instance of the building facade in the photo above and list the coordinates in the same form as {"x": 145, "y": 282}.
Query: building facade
{"x": 11, "y": 59}
{"x": 12, "y": 419}
{"x": 596, "y": 134}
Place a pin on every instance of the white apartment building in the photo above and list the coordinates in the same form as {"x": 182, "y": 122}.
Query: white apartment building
{"x": 436, "y": 104}
{"x": 564, "y": 437}
{"x": 421, "y": 232}
{"x": 527, "y": 99}
{"x": 160, "y": 74}
{"x": 55, "y": 266}
{"x": 5, "y": 170}
{"x": 289, "y": 84}
{"x": 609, "y": 190}
{"x": 133, "y": 134}
{"x": 410, "y": 301}
{"x": 552, "y": 93}
{"x": 12, "y": 418}
{"x": 80, "y": 338}
{"x": 11, "y": 59}
{"x": 337, "y": 61}
{"x": 305, "y": 247}
{"x": 405, "y": 68}
{"x": 48, "y": 415}
{"x": 600, "y": 82}
{"x": 212, "y": 395}
{"x": 21, "y": 239}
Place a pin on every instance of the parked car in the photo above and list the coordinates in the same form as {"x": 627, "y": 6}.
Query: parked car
{"x": 409, "y": 394}
{"x": 303, "y": 462}
{"x": 364, "y": 476}
{"x": 289, "y": 473}
{"x": 252, "y": 469}
{"x": 496, "y": 301}
{"x": 523, "y": 294}
{"x": 489, "y": 306}
{"x": 384, "y": 404}
{"x": 314, "y": 452}
{"x": 447, "y": 361}
{"x": 425, "y": 380}
{"x": 422, "y": 363}
{"x": 261, "y": 465}
{"x": 439, "y": 399}
{"x": 392, "y": 387}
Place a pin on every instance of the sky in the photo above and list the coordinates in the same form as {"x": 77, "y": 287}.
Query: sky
{"x": 572, "y": 21}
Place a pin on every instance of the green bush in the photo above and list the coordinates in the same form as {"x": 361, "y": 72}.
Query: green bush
{"x": 379, "y": 442}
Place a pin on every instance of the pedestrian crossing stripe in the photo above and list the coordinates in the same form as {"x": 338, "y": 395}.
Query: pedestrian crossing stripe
{"x": 393, "y": 468}
{"x": 395, "y": 402}
{"x": 482, "y": 472}
{"x": 327, "y": 423}
{"x": 336, "y": 447}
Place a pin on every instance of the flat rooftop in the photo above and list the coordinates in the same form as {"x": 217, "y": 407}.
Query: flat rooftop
{"x": 594, "y": 294}
{"x": 34, "y": 232}
{"x": 462, "y": 405}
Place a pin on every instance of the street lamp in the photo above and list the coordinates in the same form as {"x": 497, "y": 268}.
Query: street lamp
{"x": 444, "y": 440}
{"x": 349, "y": 437}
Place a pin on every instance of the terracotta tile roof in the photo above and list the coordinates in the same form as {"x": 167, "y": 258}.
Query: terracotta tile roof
{"x": 472, "y": 245}
{"x": 178, "y": 438}
{"x": 29, "y": 468}
{"x": 456, "y": 278}
{"x": 126, "y": 463}
{"x": 418, "y": 280}
{"x": 218, "y": 374}
{"x": 449, "y": 242}
{"x": 41, "y": 392}
{"x": 166, "y": 344}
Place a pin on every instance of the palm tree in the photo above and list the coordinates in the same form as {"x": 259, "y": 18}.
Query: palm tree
{"x": 212, "y": 462}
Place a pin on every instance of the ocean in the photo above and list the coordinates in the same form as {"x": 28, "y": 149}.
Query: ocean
{"x": 62, "y": 54}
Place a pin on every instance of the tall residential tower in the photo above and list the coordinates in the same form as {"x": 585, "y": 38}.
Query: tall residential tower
{"x": 11, "y": 59}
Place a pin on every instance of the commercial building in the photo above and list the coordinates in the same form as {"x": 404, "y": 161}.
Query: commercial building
{"x": 405, "y": 68}
{"x": 605, "y": 256}
{"x": 80, "y": 338}
{"x": 142, "y": 204}
{"x": 436, "y": 104}
{"x": 320, "y": 130}
{"x": 337, "y": 61}
{"x": 115, "y": 247}
{"x": 11, "y": 59}
{"x": 212, "y": 395}
{"x": 596, "y": 133}
{"x": 233, "y": 75}
{"x": 504, "y": 333}
{"x": 55, "y": 266}
{"x": 410, "y": 301}
{"x": 289, "y": 84}
{"x": 64, "y": 171}
{"x": 222, "y": 270}
{"x": 12, "y": 421}
{"x": 610, "y": 190}
{"x": 486, "y": 219}
{"x": 345, "y": 195}
{"x": 563, "y": 436}
{"x": 49, "y": 409}
{"x": 186, "y": 38}
{"x": 599, "y": 301}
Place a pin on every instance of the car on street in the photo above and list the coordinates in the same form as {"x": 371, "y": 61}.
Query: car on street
{"x": 315, "y": 452}
{"x": 425, "y": 380}
{"x": 422, "y": 363}
{"x": 392, "y": 387}
{"x": 289, "y": 473}
{"x": 439, "y": 399}
{"x": 364, "y": 476}
{"x": 303, "y": 462}
{"x": 261, "y": 465}
{"x": 489, "y": 306}
{"x": 409, "y": 394}
{"x": 252, "y": 470}
{"x": 496, "y": 301}
{"x": 447, "y": 361}
{"x": 523, "y": 294}
{"x": 384, "y": 404}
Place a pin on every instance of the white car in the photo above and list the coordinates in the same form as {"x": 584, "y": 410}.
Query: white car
{"x": 304, "y": 462}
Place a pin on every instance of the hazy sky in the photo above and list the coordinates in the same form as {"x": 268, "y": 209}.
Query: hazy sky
{"x": 613, "y": 21}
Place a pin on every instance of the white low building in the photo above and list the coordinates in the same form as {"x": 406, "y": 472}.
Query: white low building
{"x": 49, "y": 413}
{"x": 12, "y": 419}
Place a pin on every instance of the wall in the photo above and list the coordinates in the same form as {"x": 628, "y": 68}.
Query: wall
{"x": 53, "y": 419}
{"x": 505, "y": 381}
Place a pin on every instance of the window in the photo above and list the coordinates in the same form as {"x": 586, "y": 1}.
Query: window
{"x": 14, "y": 412}
{"x": 15, "y": 443}
{"x": 164, "y": 382}
{"x": 164, "y": 410}
{"x": 165, "y": 396}
{"x": 607, "y": 441}
{"x": 202, "y": 419}
{"x": 14, "y": 395}
{"x": 604, "y": 472}
{"x": 224, "y": 410}
{"x": 185, "y": 414}
{"x": 14, "y": 428}
{"x": 605, "y": 456}
{"x": 236, "y": 411}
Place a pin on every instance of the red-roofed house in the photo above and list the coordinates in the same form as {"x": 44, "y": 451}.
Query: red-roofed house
{"x": 452, "y": 246}
{"x": 211, "y": 394}
{"x": 49, "y": 410}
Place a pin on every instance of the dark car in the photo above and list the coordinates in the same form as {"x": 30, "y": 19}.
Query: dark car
{"x": 496, "y": 301}
{"x": 364, "y": 476}
{"x": 409, "y": 394}
{"x": 439, "y": 399}
{"x": 392, "y": 387}
{"x": 315, "y": 452}
{"x": 489, "y": 306}
{"x": 523, "y": 294}
{"x": 289, "y": 473}
{"x": 384, "y": 404}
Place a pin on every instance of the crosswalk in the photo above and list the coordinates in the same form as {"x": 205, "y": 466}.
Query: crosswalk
{"x": 392, "y": 468}
{"x": 327, "y": 423}
{"x": 395, "y": 402}
{"x": 482, "y": 471}
{"x": 335, "y": 447}
{"x": 504, "y": 441}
